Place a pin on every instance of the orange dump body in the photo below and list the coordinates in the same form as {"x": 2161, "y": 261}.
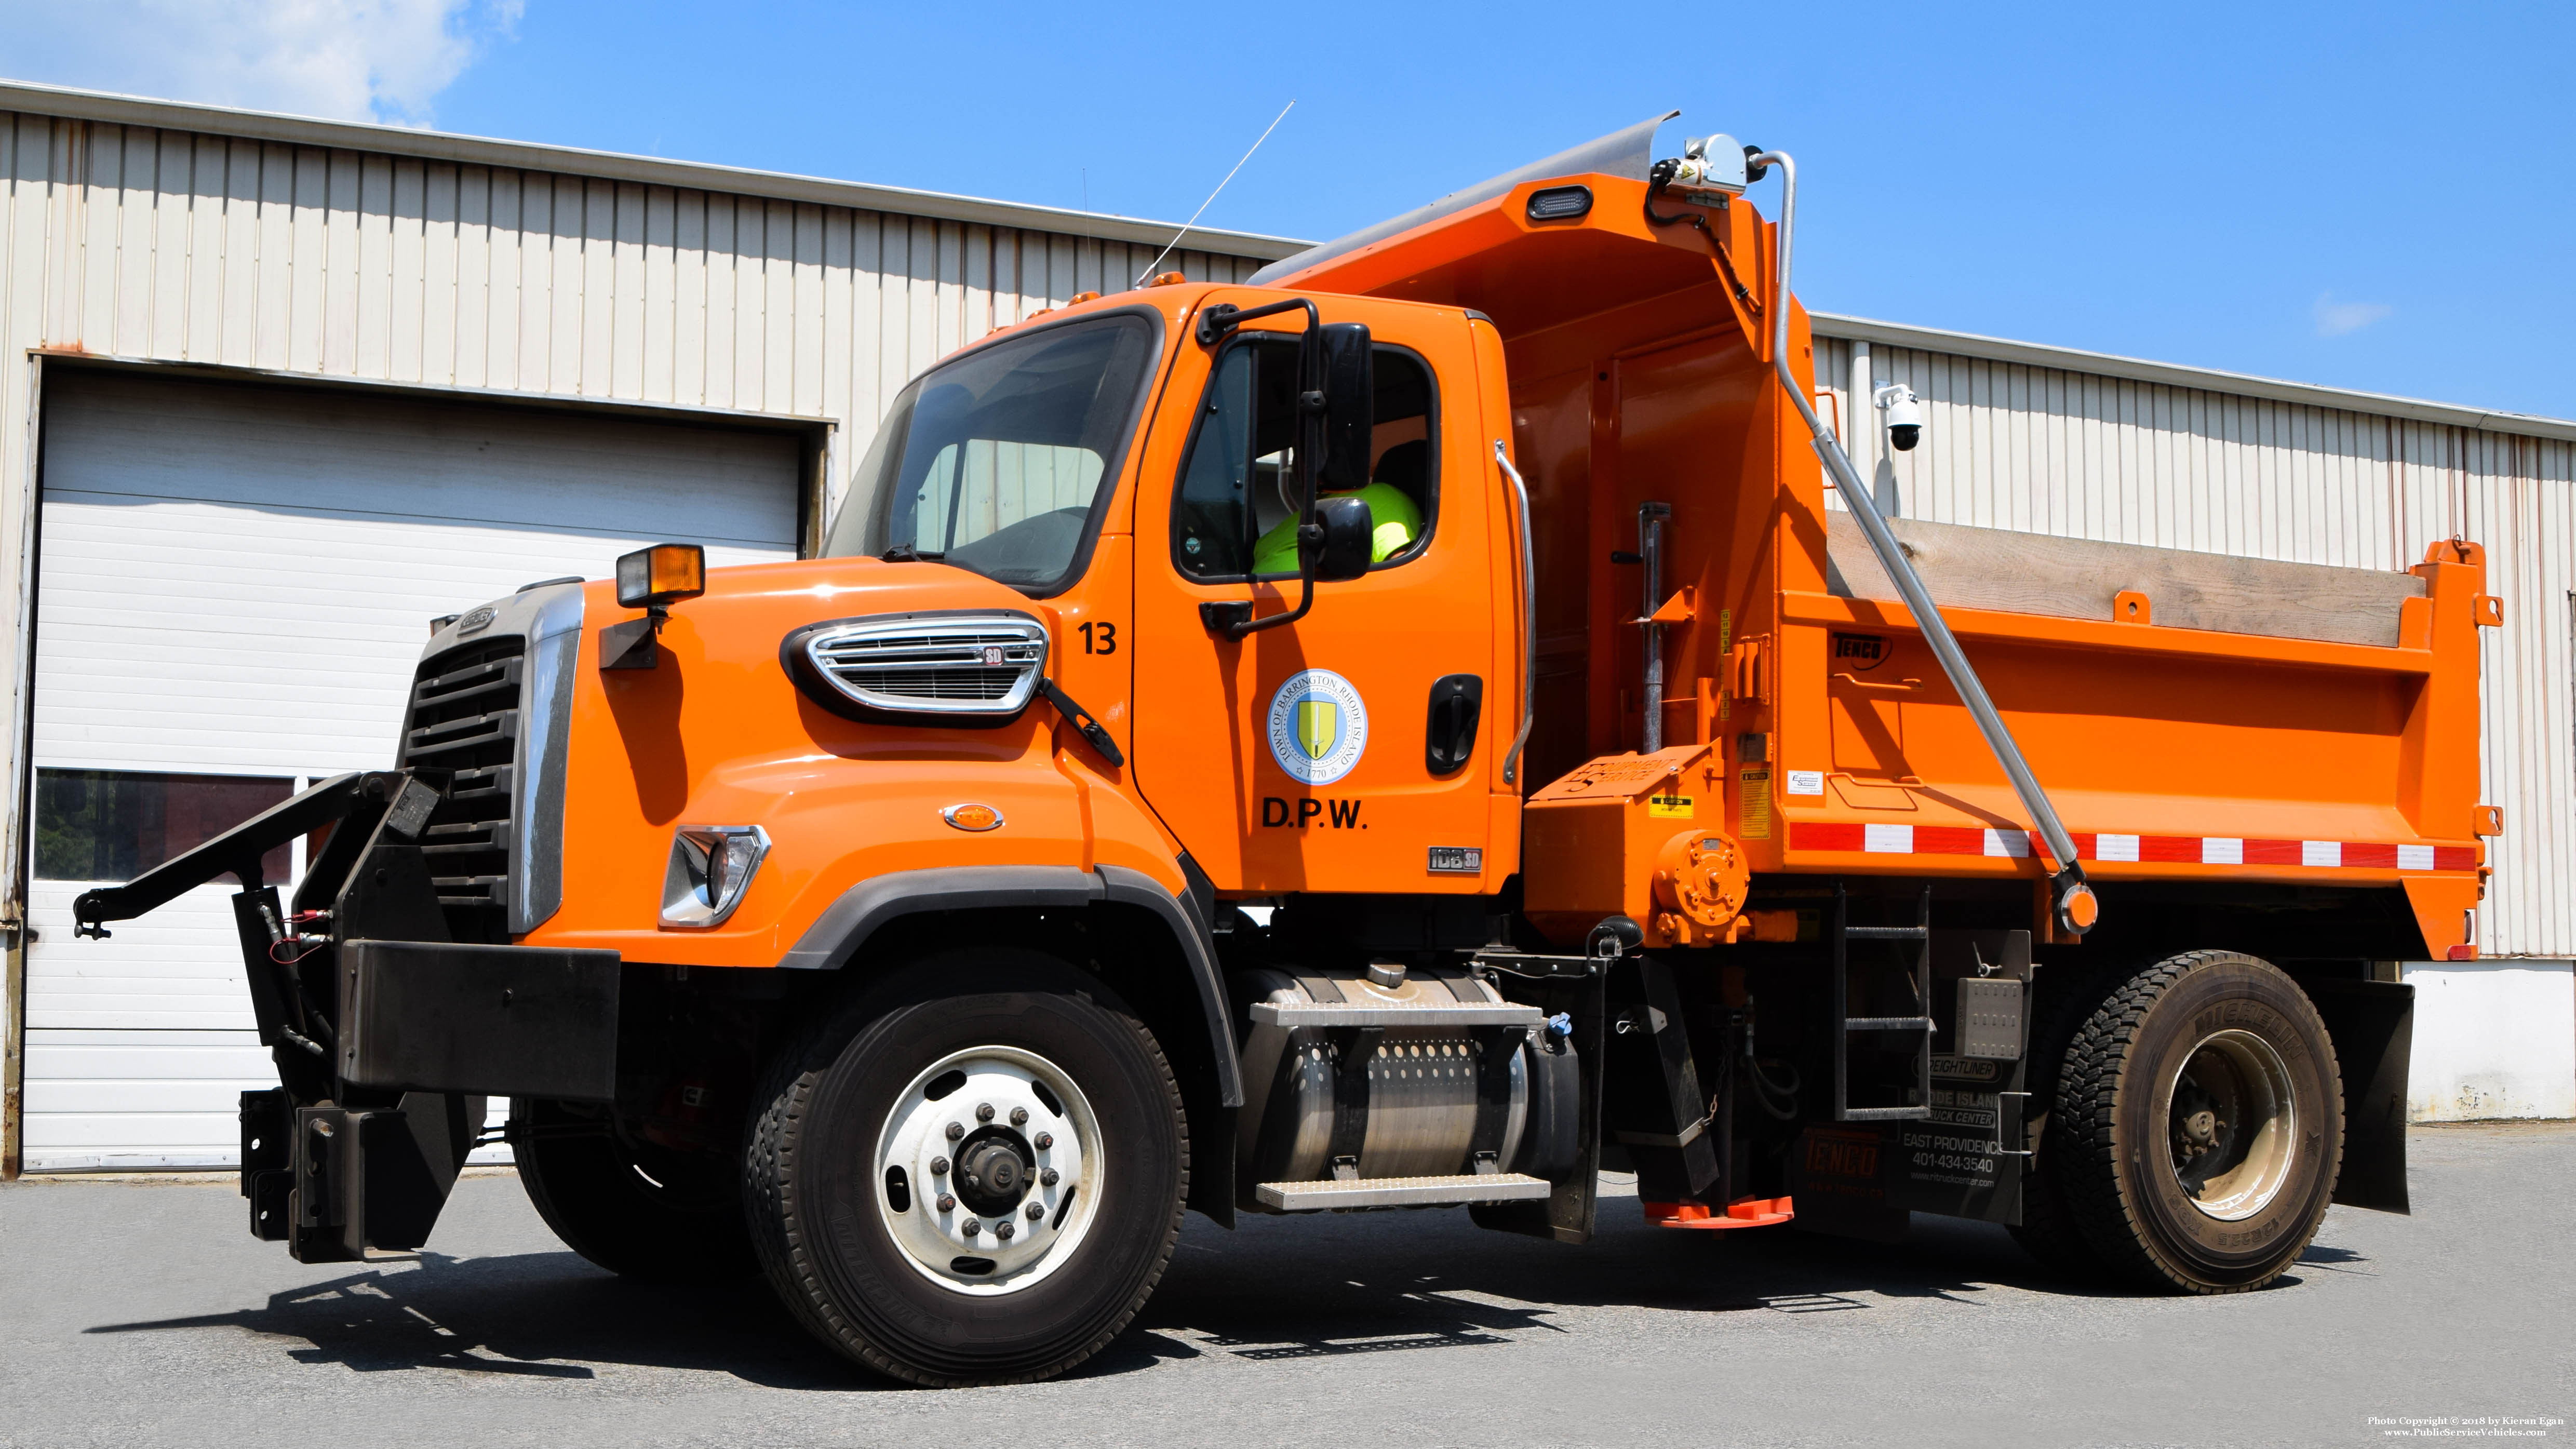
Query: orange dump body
{"x": 2304, "y": 726}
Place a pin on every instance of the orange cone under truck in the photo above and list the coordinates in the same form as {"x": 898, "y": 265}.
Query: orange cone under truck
{"x": 929, "y": 922}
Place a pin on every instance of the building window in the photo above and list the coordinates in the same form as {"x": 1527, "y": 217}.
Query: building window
{"x": 113, "y": 825}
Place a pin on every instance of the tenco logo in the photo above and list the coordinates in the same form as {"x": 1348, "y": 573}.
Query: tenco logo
{"x": 1318, "y": 726}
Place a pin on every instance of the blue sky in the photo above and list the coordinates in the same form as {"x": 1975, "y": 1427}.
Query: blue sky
{"x": 2366, "y": 196}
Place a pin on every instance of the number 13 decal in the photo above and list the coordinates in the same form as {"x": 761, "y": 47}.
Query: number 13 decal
{"x": 1104, "y": 641}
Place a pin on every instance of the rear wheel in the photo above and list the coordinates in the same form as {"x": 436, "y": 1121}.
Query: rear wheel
{"x": 636, "y": 1210}
{"x": 2204, "y": 1117}
{"x": 972, "y": 1176}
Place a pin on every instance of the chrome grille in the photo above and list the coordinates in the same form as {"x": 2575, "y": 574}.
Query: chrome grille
{"x": 965, "y": 664}
{"x": 465, "y": 714}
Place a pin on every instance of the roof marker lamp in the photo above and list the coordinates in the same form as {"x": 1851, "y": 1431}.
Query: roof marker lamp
{"x": 651, "y": 579}
{"x": 1560, "y": 203}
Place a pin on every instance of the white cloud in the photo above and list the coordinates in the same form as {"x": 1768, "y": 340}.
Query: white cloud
{"x": 2335, "y": 319}
{"x": 358, "y": 60}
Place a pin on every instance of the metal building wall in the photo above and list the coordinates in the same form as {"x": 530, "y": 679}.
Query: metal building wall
{"x": 179, "y": 246}
{"x": 2064, "y": 451}
{"x": 308, "y": 253}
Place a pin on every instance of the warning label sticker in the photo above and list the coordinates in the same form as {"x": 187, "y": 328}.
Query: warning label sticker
{"x": 1753, "y": 802}
{"x": 1670, "y": 807}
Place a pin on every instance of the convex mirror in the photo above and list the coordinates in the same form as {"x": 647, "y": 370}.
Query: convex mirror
{"x": 1345, "y": 549}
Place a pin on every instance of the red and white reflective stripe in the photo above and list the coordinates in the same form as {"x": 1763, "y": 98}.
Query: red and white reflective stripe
{"x": 1875, "y": 839}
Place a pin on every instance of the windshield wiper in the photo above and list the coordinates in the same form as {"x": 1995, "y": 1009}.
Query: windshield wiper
{"x": 906, "y": 553}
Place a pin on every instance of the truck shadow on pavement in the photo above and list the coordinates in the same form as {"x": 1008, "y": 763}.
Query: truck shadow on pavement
{"x": 1300, "y": 1288}
{"x": 1275, "y": 1289}
{"x": 543, "y": 1315}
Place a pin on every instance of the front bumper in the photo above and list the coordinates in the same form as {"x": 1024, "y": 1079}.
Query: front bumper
{"x": 387, "y": 1035}
{"x": 500, "y": 1021}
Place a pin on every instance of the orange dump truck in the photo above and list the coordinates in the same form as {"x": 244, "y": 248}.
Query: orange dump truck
{"x": 1417, "y": 729}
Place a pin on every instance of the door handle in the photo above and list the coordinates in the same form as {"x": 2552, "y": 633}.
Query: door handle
{"x": 1457, "y": 703}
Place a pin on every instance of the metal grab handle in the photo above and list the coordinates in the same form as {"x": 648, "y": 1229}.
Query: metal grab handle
{"x": 1529, "y": 615}
{"x": 2076, "y": 907}
{"x": 1878, "y": 686}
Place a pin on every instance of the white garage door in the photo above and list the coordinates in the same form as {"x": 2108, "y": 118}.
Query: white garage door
{"x": 234, "y": 585}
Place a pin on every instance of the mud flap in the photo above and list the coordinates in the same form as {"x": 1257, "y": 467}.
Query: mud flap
{"x": 2372, "y": 1024}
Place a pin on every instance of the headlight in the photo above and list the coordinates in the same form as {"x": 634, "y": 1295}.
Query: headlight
{"x": 711, "y": 867}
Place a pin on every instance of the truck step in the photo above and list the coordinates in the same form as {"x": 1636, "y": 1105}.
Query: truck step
{"x": 1358, "y": 1192}
{"x": 1887, "y": 1023}
{"x": 1432, "y": 1013}
{"x": 1885, "y": 1114}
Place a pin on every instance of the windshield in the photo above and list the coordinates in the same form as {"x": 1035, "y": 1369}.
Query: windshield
{"x": 993, "y": 461}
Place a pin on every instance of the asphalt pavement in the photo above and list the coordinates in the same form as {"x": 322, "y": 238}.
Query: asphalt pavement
{"x": 139, "y": 1312}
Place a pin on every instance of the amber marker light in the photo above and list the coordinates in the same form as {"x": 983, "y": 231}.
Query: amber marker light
{"x": 663, "y": 574}
{"x": 972, "y": 817}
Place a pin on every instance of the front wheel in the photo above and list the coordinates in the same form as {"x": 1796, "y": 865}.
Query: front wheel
{"x": 634, "y": 1209}
{"x": 2203, "y": 1123}
{"x": 973, "y": 1175}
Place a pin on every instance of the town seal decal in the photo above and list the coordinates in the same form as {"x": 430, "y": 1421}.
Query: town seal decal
{"x": 1318, "y": 726}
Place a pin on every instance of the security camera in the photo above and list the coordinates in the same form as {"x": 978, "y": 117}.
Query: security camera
{"x": 1904, "y": 416}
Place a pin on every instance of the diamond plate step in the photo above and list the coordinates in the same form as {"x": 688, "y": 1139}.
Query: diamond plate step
{"x": 1308, "y": 1197}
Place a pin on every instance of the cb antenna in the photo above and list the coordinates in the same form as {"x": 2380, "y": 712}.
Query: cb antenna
{"x": 1211, "y": 197}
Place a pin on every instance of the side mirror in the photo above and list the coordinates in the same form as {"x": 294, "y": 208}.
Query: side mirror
{"x": 1346, "y": 375}
{"x": 1347, "y": 546}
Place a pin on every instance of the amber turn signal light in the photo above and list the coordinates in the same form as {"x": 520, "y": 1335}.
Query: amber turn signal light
{"x": 663, "y": 574}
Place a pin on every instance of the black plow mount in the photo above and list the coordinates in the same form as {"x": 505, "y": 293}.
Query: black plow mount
{"x": 387, "y": 1033}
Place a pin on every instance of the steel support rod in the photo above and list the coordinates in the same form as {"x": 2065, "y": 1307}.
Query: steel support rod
{"x": 2075, "y": 904}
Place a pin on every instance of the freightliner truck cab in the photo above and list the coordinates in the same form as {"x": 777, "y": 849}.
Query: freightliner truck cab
{"x": 1406, "y": 732}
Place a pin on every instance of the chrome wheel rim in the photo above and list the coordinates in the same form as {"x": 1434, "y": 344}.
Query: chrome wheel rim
{"x": 978, "y": 1140}
{"x": 2231, "y": 1125}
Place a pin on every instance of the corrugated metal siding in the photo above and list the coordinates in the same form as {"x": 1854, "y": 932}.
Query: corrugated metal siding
{"x": 203, "y": 248}
{"x": 2045, "y": 450}
{"x": 185, "y": 246}
{"x": 190, "y": 247}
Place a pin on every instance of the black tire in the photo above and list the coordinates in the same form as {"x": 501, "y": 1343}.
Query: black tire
{"x": 820, "y": 1208}
{"x": 2174, "y": 1178}
{"x": 683, "y": 1223}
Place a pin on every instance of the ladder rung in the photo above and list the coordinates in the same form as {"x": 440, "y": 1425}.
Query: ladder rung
{"x": 1885, "y": 933}
{"x": 1887, "y": 1023}
{"x": 1887, "y": 1114}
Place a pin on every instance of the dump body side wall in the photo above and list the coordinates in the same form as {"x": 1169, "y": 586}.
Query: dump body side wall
{"x": 2338, "y": 750}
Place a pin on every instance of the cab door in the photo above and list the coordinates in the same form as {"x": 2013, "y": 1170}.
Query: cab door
{"x": 1353, "y": 750}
